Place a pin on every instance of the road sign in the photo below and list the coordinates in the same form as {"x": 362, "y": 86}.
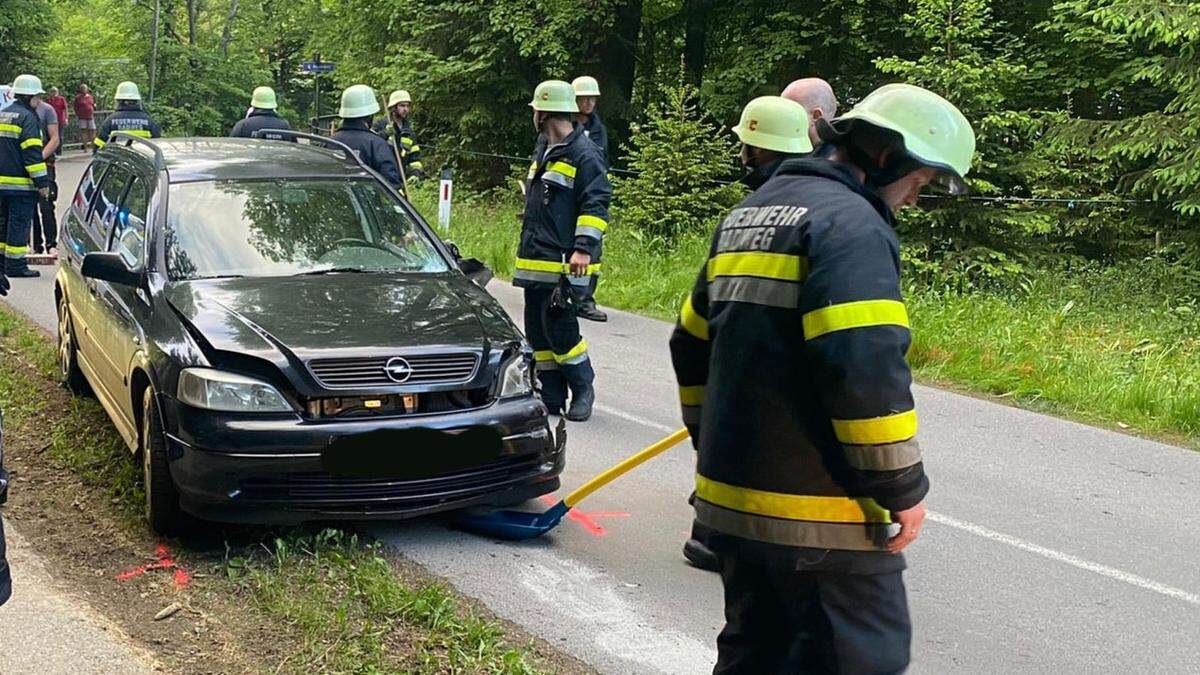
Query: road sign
{"x": 317, "y": 66}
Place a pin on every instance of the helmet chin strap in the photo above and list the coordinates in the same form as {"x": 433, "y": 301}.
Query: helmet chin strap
{"x": 897, "y": 166}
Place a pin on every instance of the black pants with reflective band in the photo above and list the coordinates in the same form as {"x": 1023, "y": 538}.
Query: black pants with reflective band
{"x": 553, "y": 331}
{"x": 16, "y": 217}
{"x": 780, "y": 620}
{"x": 45, "y": 225}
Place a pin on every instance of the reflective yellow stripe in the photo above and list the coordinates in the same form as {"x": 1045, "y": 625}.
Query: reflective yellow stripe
{"x": 405, "y": 140}
{"x": 691, "y": 395}
{"x": 693, "y": 323}
{"x": 758, "y": 264}
{"x": 97, "y": 142}
{"x": 577, "y": 350}
{"x": 532, "y": 170}
{"x": 415, "y": 148}
{"x": 591, "y": 221}
{"x": 849, "y": 315}
{"x": 40, "y": 167}
{"x": 13, "y": 128}
{"x": 877, "y": 430}
{"x": 15, "y": 180}
{"x": 562, "y": 167}
{"x": 791, "y": 507}
{"x": 140, "y": 133}
{"x": 551, "y": 266}
{"x": 543, "y": 355}
{"x": 417, "y": 165}
{"x": 16, "y": 251}
{"x": 31, "y": 143}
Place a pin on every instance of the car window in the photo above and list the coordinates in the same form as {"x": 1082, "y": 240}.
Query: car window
{"x": 87, "y": 188}
{"x": 129, "y": 225}
{"x": 288, "y": 227}
{"x": 111, "y": 188}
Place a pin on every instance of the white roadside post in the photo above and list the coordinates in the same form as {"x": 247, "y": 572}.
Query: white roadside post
{"x": 445, "y": 192}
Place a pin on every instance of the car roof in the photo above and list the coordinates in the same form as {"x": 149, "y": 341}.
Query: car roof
{"x": 204, "y": 158}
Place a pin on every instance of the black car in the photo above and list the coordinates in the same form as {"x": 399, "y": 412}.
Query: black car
{"x": 280, "y": 337}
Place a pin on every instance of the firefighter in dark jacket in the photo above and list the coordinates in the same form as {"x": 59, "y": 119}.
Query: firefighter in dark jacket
{"x": 23, "y": 174}
{"x": 566, "y": 215}
{"x": 790, "y": 357}
{"x": 772, "y": 129}
{"x": 128, "y": 117}
{"x": 358, "y": 106}
{"x": 263, "y": 116}
{"x": 398, "y": 126}
{"x": 587, "y": 95}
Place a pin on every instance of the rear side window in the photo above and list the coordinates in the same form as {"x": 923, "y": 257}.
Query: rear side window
{"x": 87, "y": 188}
{"x": 129, "y": 224}
{"x": 112, "y": 188}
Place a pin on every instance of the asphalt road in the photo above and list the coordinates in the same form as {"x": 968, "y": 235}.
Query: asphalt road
{"x": 1053, "y": 546}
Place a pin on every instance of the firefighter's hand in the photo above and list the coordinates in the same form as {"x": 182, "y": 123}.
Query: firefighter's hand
{"x": 579, "y": 263}
{"x": 44, "y": 192}
{"x": 910, "y": 521}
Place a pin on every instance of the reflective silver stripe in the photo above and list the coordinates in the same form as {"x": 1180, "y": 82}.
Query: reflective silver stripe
{"x": 888, "y": 457}
{"x": 17, "y": 188}
{"x": 559, "y": 179}
{"x": 9, "y": 134}
{"x": 755, "y": 290}
{"x": 534, "y": 275}
{"x": 842, "y": 536}
{"x": 589, "y": 231}
{"x": 546, "y": 365}
{"x": 585, "y": 280}
{"x": 691, "y": 414}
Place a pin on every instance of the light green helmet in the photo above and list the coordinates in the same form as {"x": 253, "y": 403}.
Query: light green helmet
{"x": 934, "y": 133}
{"x": 554, "y": 96}
{"x": 263, "y": 98}
{"x": 27, "y": 85}
{"x": 128, "y": 91}
{"x": 358, "y": 101}
{"x": 775, "y": 123}
{"x": 586, "y": 85}
{"x": 399, "y": 96}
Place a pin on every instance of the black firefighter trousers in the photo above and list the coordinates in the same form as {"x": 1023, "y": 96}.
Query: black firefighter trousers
{"x": 781, "y": 620}
{"x": 559, "y": 349}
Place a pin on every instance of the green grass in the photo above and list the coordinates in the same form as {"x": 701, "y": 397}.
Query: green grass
{"x": 345, "y": 605}
{"x": 1116, "y": 346}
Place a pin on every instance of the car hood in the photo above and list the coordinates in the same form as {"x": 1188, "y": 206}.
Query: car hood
{"x": 341, "y": 315}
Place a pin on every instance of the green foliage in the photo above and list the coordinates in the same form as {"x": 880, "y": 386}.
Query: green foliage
{"x": 680, "y": 157}
{"x": 25, "y": 26}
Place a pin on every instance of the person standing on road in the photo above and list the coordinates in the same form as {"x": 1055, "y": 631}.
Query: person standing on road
{"x": 23, "y": 173}
{"x": 128, "y": 118}
{"x": 397, "y": 125}
{"x": 587, "y": 95}
{"x": 359, "y": 105}
{"x": 263, "y": 115}
{"x": 790, "y": 354}
{"x": 45, "y": 225}
{"x": 59, "y": 103}
{"x": 772, "y": 129}
{"x": 85, "y": 116}
{"x": 817, "y": 98}
{"x": 566, "y": 215}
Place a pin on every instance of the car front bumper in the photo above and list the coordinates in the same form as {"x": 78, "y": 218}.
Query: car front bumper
{"x": 235, "y": 469}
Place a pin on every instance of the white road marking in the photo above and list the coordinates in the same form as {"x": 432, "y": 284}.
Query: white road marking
{"x": 635, "y": 419}
{"x": 1097, "y": 568}
{"x": 1030, "y": 547}
{"x": 589, "y": 599}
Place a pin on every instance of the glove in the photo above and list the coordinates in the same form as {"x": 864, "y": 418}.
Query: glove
{"x": 417, "y": 173}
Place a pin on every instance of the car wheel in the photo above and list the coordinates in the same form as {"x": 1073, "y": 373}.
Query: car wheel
{"x": 162, "y": 498}
{"x": 69, "y": 374}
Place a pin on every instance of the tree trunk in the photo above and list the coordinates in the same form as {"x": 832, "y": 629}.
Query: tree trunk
{"x": 613, "y": 61}
{"x": 227, "y": 35}
{"x": 193, "y": 11}
{"x": 696, "y": 13}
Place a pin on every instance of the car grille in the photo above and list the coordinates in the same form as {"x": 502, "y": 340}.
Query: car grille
{"x": 426, "y": 369}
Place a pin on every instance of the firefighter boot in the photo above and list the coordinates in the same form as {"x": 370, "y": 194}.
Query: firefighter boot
{"x": 587, "y": 309}
{"x": 697, "y": 552}
{"x": 583, "y": 394}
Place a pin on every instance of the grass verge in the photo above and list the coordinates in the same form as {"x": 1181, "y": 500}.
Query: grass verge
{"x": 1116, "y": 346}
{"x": 290, "y": 600}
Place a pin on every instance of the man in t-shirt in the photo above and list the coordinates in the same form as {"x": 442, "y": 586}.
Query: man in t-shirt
{"x": 85, "y": 116}
{"x": 59, "y": 103}
{"x": 45, "y": 226}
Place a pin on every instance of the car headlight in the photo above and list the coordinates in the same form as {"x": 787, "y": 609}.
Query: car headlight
{"x": 219, "y": 390}
{"x": 515, "y": 378}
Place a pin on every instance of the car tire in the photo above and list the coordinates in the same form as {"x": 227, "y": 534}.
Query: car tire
{"x": 163, "y": 513}
{"x": 69, "y": 374}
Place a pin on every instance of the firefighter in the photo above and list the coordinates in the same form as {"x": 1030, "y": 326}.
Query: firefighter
{"x": 566, "y": 214}
{"x": 128, "y": 117}
{"x": 263, "y": 115}
{"x": 397, "y": 125}
{"x": 359, "y": 105}
{"x": 790, "y": 356}
{"x": 587, "y": 94}
{"x": 23, "y": 174}
{"x": 772, "y": 129}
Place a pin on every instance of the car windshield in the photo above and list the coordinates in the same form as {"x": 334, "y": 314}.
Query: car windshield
{"x": 290, "y": 227}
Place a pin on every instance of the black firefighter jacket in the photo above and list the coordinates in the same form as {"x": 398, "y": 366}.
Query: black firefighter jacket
{"x": 22, "y": 169}
{"x": 370, "y": 148}
{"x": 258, "y": 120}
{"x": 128, "y": 118}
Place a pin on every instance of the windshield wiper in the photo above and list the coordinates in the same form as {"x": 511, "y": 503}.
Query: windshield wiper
{"x": 334, "y": 270}
{"x": 217, "y": 276}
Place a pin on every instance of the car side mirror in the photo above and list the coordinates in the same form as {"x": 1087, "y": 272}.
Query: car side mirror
{"x": 109, "y": 267}
{"x": 476, "y": 271}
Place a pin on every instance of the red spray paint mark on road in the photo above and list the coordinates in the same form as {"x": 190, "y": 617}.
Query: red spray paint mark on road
{"x": 166, "y": 561}
{"x": 586, "y": 519}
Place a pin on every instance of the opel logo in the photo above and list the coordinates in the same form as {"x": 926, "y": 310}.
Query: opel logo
{"x": 398, "y": 370}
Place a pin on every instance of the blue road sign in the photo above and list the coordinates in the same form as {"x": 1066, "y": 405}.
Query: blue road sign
{"x": 317, "y": 66}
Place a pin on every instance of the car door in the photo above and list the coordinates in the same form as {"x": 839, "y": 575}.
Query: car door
{"x": 96, "y": 345}
{"x": 123, "y": 310}
{"x": 78, "y": 239}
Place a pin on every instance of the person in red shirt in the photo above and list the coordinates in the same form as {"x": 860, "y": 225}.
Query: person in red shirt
{"x": 85, "y": 114}
{"x": 59, "y": 103}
